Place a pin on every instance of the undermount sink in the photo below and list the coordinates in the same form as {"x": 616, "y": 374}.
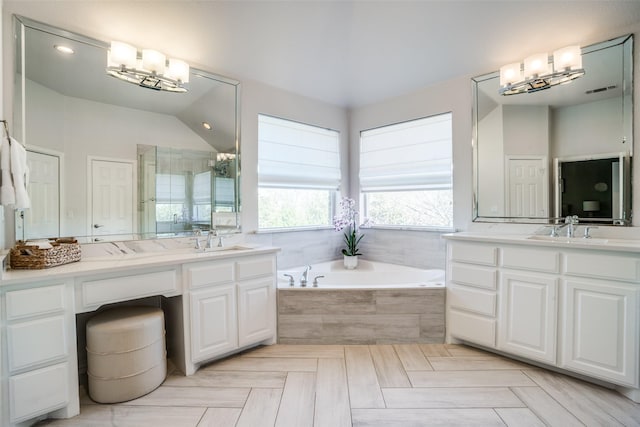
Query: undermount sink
{"x": 573, "y": 240}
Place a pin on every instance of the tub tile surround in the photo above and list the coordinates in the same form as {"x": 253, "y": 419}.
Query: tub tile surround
{"x": 420, "y": 249}
{"x": 366, "y": 385}
{"x": 317, "y": 316}
{"x": 301, "y": 247}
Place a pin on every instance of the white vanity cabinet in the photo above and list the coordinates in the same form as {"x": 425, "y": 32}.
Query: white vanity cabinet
{"x": 231, "y": 306}
{"x": 256, "y": 300}
{"x": 40, "y": 359}
{"x": 213, "y": 320}
{"x": 216, "y": 303}
{"x": 472, "y": 300}
{"x": 571, "y": 306}
{"x": 529, "y": 302}
{"x": 600, "y": 317}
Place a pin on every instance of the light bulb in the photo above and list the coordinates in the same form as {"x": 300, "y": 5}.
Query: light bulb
{"x": 153, "y": 61}
{"x": 567, "y": 58}
{"x": 536, "y": 65}
{"x": 122, "y": 54}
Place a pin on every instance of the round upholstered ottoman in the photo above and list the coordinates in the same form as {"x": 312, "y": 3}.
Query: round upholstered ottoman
{"x": 126, "y": 354}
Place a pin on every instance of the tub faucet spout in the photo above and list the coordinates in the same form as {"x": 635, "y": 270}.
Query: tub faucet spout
{"x": 305, "y": 276}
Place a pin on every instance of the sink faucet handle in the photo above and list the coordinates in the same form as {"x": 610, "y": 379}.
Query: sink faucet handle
{"x": 587, "y": 229}
{"x": 554, "y": 231}
{"x": 315, "y": 281}
{"x": 292, "y": 282}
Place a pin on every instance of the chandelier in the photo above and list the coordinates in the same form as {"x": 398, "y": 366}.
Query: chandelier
{"x": 537, "y": 72}
{"x": 151, "y": 70}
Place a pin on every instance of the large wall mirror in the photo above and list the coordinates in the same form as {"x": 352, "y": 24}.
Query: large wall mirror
{"x": 110, "y": 160}
{"x": 565, "y": 150}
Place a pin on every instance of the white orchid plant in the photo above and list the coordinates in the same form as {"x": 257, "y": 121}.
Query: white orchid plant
{"x": 348, "y": 221}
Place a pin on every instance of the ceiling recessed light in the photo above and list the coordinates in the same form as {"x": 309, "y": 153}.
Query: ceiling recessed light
{"x": 64, "y": 49}
{"x": 207, "y": 126}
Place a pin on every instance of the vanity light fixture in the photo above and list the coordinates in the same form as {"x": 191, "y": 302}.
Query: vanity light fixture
{"x": 537, "y": 72}
{"x": 64, "y": 49}
{"x": 151, "y": 69}
{"x": 225, "y": 157}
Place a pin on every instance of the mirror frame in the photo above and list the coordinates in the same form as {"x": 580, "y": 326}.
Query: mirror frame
{"x": 20, "y": 24}
{"x": 628, "y": 85}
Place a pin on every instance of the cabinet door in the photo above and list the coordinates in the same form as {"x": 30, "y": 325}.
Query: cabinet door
{"x": 256, "y": 310}
{"x": 600, "y": 325}
{"x": 214, "y": 327}
{"x": 527, "y": 325}
{"x": 38, "y": 392}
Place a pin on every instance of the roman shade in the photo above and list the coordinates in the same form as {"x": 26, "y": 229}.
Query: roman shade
{"x": 414, "y": 155}
{"x": 296, "y": 155}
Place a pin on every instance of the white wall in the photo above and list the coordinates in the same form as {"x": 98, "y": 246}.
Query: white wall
{"x": 591, "y": 128}
{"x": 526, "y": 130}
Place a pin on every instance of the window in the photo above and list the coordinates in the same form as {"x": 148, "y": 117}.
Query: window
{"x": 298, "y": 173}
{"x": 405, "y": 173}
{"x": 171, "y": 196}
{"x": 202, "y": 197}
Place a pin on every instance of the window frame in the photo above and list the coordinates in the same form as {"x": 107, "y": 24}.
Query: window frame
{"x": 332, "y": 193}
{"x": 362, "y": 196}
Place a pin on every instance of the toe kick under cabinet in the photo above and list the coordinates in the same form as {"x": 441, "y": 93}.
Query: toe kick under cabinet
{"x": 575, "y": 309}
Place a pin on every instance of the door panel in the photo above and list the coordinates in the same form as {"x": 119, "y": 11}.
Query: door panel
{"x": 112, "y": 198}
{"x": 43, "y": 218}
{"x": 527, "y": 188}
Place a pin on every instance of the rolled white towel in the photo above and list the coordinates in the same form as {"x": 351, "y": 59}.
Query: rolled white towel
{"x": 7, "y": 191}
{"x": 20, "y": 172}
{"x": 41, "y": 244}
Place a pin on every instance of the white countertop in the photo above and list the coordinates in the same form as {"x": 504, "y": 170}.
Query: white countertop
{"x": 110, "y": 263}
{"x": 599, "y": 243}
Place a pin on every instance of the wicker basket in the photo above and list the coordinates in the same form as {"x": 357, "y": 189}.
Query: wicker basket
{"x": 30, "y": 257}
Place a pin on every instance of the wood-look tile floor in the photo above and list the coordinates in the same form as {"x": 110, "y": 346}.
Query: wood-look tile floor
{"x": 377, "y": 385}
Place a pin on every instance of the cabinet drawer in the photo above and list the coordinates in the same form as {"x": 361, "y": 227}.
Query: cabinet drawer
{"x": 210, "y": 274}
{"x": 256, "y": 267}
{"x": 473, "y": 300}
{"x": 546, "y": 261}
{"x": 474, "y": 254}
{"x": 472, "y": 328}
{"x": 474, "y": 276}
{"x": 99, "y": 292}
{"x": 35, "y": 301}
{"x": 38, "y": 392}
{"x": 36, "y": 341}
{"x": 602, "y": 266}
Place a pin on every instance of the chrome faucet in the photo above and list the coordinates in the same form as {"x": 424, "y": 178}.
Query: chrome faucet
{"x": 571, "y": 222}
{"x": 197, "y": 232}
{"x": 305, "y": 276}
{"x": 210, "y": 237}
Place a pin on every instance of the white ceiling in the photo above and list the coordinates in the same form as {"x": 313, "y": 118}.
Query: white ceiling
{"x": 348, "y": 53}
